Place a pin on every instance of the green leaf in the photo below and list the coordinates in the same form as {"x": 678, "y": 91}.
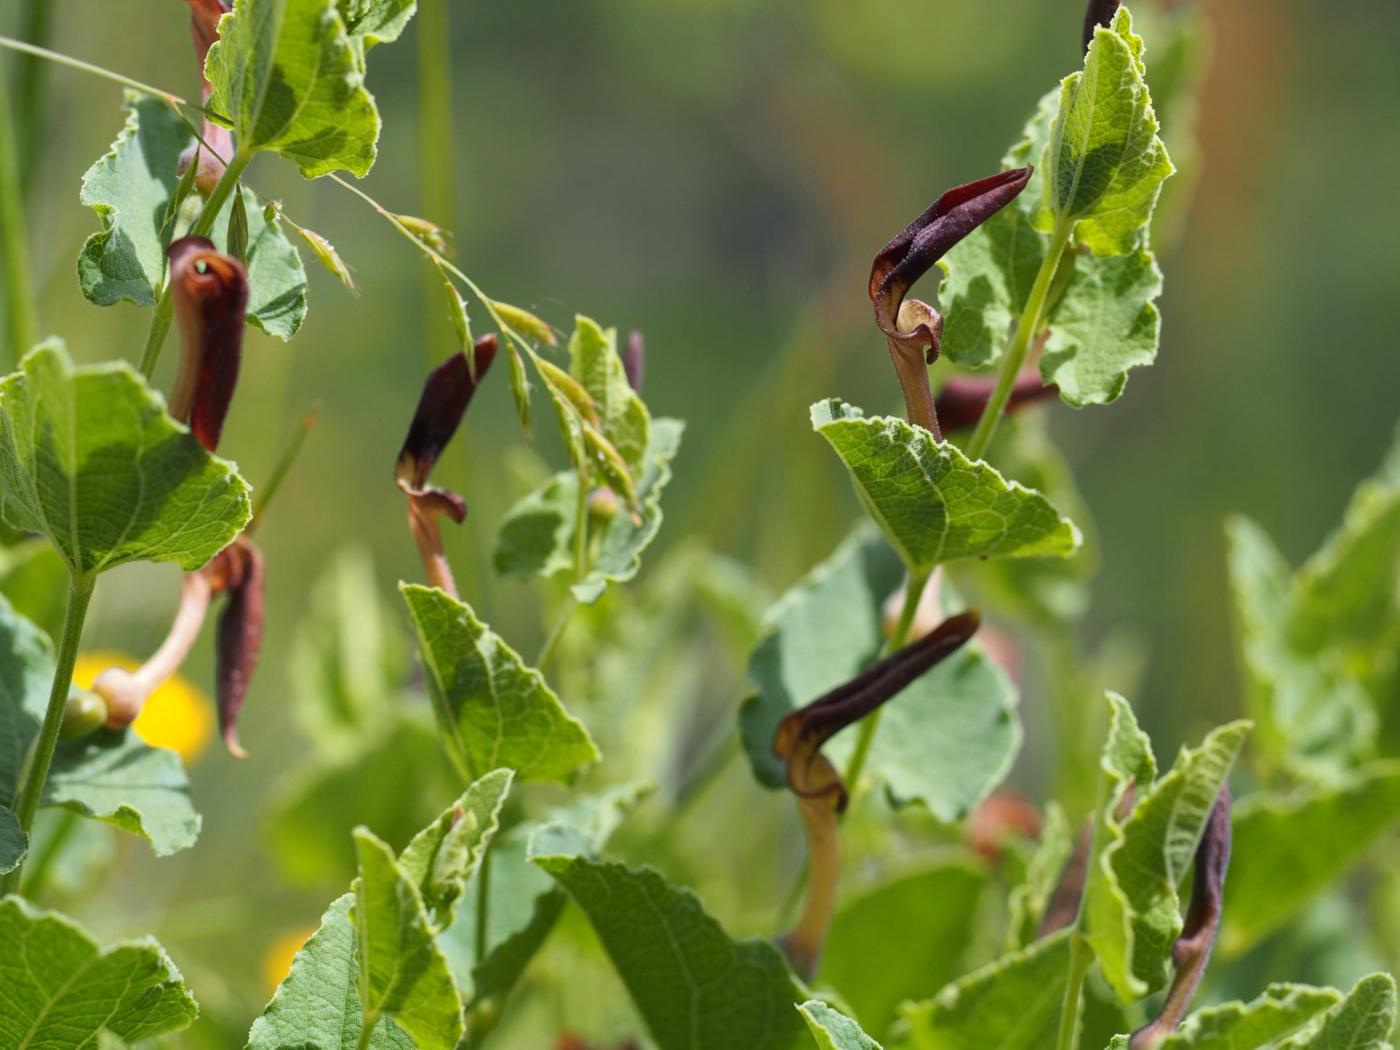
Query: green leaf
{"x": 594, "y": 362}
{"x": 1105, "y": 324}
{"x": 445, "y": 854}
{"x": 1131, "y": 906}
{"x": 1279, "y": 1012}
{"x": 89, "y": 458}
{"x": 496, "y": 710}
{"x": 347, "y": 658}
{"x": 134, "y": 186}
{"x": 61, "y": 989}
{"x": 402, "y": 972}
{"x": 525, "y": 902}
{"x": 1315, "y": 719}
{"x": 536, "y": 537}
{"x": 288, "y": 77}
{"x": 1011, "y": 1004}
{"x": 1102, "y": 320}
{"x": 1361, "y": 1021}
{"x": 1288, "y": 848}
{"x": 114, "y": 777}
{"x": 1029, "y": 900}
{"x": 833, "y": 1030}
{"x": 945, "y": 741}
{"x": 14, "y": 843}
{"x": 695, "y": 987}
{"x": 111, "y": 775}
{"x": 317, "y": 1005}
{"x": 1105, "y": 161}
{"x": 940, "y": 901}
{"x": 933, "y": 504}
{"x": 373, "y": 22}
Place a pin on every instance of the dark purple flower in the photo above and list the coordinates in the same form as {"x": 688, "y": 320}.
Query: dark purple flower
{"x": 1098, "y": 13}
{"x": 210, "y": 294}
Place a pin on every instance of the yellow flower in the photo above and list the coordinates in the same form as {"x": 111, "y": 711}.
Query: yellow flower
{"x": 177, "y": 715}
{"x": 277, "y": 963}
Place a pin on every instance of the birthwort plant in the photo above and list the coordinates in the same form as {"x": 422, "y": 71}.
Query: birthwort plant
{"x": 939, "y": 910}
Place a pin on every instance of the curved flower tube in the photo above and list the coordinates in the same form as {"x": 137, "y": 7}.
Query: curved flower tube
{"x": 210, "y": 293}
{"x": 204, "y": 28}
{"x": 912, "y": 328}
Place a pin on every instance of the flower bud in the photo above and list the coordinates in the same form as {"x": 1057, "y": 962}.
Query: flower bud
{"x": 84, "y": 714}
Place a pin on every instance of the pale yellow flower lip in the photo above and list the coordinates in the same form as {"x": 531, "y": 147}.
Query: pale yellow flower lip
{"x": 178, "y": 715}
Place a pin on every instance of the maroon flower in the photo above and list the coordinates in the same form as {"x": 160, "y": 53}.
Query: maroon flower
{"x": 210, "y": 293}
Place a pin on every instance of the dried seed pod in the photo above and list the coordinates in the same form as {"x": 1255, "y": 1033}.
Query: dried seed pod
{"x": 912, "y": 328}
{"x": 210, "y": 294}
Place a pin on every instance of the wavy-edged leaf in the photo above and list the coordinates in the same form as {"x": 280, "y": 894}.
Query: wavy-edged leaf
{"x": 945, "y": 741}
{"x": 1105, "y": 161}
{"x": 1361, "y": 1021}
{"x": 1288, "y": 848}
{"x": 133, "y": 187}
{"x": 317, "y": 1005}
{"x": 1010, "y": 1004}
{"x": 832, "y": 1029}
{"x": 695, "y": 986}
{"x": 594, "y": 362}
{"x": 111, "y": 775}
{"x": 1132, "y": 911}
{"x": 445, "y": 854}
{"x": 940, "y": 901}
{"x": 1275, "y": 1015}
{"x": 536, "y": 537}
{"x": 90, "y": 459}
{"x": 59, "y": 988}
{"x": 932, "y": 503}
{"x": 14, "y": 843}
{"x": 496, "y": 710}
{"x": 403, "y": 974}
{"x": 525, "y": 902}
{"x": 374, "y": 22}
{"x": 287, "y": 76}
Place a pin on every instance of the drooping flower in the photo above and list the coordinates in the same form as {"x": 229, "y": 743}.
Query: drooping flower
{"x": 210, "y": 295}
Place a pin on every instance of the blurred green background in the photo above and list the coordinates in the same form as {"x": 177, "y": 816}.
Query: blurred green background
{"x": 718, "y": 173}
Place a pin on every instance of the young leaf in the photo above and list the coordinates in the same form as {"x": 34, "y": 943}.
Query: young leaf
{"x": 1278, "y": 1013}
{"x": 111, "y": 775}
{"x": 537, "y": 534}
{"x": 1105, "y": 161}
{"x": 495, "y": 710}
{"x": 1361, "y": 1021}
{"x": 287, "y": 77}
{"x": 238, "y": 228}
{"x": 14, "y": 843}
{"x": 89, "y": 459}
{"x": 136, "y": 196}
{"x": 1010, "y": 1004}
{"x": 317, "y": 1005}
{"x": 946, "y": 741}
{"x": 696, "y": 987}
{"x": 62, "y": 989}
{"x": 932, "y": 503}
{"x": 1131, "y": 908}
{"x": 833, "y": 1030}
{"x": 1289, "y": 848}
{"x": 623, "y": 418}
{"x": 402, "y": 972}
{"x": 940, "y": 901}
{"x": 525, "y": 902}
{"x": 373, "y": 22}
{"x": 445, "y": 854}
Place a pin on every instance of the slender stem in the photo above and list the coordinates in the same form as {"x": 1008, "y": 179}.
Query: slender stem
{"x": 366, "y": 1032}
{"x": 87, "y": 67}
{"x": 203, "y": 224}
{"x": 435, "y": 139}
{"x": 27, "y": 800}
{"x": 1080, "y": 956}
{"x": 483, "y": 904}
{"x": 21, "y": 314}
{"x": 581, "y": 525}
{"x": 1015, "y": 354}
{"x": 556, "y": 632}
{"x": 913, "y": 591}
{"x": 284, "y": 463}
{"x": 35, "y": 26}
{"x": 41, "y": 865}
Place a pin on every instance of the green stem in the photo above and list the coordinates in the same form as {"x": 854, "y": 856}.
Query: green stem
{"x": 21, "y": 314}
{"x": 35, "y": 26}
{"x": 41, "y": 865}
{"x": 203, "y": 224}
{"x": 556, "y": 632}
{"x": 1080, "y": 956}
{"x": 913, "y": 591}
{"x": 366, "y": 1033}
{"x": 284, "y": 463}
{"x": 435, "y": 138}
{"x": 1015, "y": 354}
{"x": 483, "y": 903}
{"x": 580, "y": 569}
{"x": 27, "y": 799}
